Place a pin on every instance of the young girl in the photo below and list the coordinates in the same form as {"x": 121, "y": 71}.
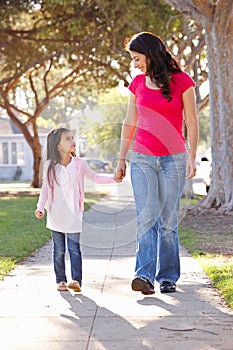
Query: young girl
{"x": 62, "y": 195}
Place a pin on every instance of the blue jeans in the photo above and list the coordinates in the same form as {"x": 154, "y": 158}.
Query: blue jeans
{"x": 157, "y": 183}
{"x": 59, "y": 249}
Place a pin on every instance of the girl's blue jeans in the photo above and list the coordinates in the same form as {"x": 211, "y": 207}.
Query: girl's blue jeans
{"x": 59, "y": 250}
{"x": 158, "y": 182}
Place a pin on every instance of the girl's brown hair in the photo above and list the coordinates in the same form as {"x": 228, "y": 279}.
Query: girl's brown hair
{"x": 160, "y": 62}
{"x": 53, "y": 140}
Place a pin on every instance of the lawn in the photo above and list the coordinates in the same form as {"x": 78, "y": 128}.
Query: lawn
{"x": 21, "y": 233}
{"x": 209, "y": 238}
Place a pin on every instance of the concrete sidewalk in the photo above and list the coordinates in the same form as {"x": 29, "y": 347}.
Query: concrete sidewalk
{"x": 108, "y": 314}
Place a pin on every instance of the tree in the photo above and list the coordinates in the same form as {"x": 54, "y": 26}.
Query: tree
{"x": 105, "y": 131}
{"x": 48, "y": 49}
{"x": 47, "y": 46}
{"x": 217, "y": 21}
{"x": 48, "y": 62}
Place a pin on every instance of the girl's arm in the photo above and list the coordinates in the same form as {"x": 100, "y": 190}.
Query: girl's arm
{"x": 191, "y": 119}
{"x": 97, "y": 178}
{"x": 43, "y": 194}
{"x": 127, "y": 133}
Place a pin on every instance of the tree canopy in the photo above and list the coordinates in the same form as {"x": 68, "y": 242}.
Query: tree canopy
{"x": 74, "y": 49}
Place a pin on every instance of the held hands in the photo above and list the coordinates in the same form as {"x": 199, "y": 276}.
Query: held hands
{"x": 120, "y": 171}
{"x": 39, "y": 214}
{"x": 117, "y": 177}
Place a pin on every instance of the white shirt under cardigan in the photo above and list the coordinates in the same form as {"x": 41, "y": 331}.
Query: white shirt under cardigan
{"x": 64, "y": 201}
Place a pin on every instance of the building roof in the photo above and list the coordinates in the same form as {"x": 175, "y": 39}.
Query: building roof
{"x": 7, "y": 127}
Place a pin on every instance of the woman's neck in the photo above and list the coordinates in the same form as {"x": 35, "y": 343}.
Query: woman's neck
{"x": 150, "y": 84}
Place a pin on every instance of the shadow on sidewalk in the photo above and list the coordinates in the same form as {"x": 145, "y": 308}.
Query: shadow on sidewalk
{"x": 159, "y": 322}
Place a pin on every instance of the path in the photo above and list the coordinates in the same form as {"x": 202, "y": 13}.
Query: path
{"x": 108, "y": 314}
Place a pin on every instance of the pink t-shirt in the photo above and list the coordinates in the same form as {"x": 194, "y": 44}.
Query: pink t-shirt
{"x": 160, "y": 122}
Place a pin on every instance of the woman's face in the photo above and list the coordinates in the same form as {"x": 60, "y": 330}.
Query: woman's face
{"x": 139, "y": 61}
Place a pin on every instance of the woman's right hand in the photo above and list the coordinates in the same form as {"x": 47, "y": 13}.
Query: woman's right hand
{"x": 39, "y": 214}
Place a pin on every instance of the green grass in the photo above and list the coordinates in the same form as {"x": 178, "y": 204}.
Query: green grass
{"x": 220, "y": 271}
{"x": 219, "y": 268}
{"x": 21, "y": 233}
{"x": 191, "y": 240}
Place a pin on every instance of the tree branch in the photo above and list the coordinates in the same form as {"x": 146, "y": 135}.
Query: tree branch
{"x": 45, "y": 77}
{"x": 33, "y": 64}
{"x": 194, "y": 8}
{"x": 33, "y": 89}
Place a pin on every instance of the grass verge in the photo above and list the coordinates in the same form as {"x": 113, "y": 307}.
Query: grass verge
{"x": 219, "y": 268}
{"x": 21, "y": 233}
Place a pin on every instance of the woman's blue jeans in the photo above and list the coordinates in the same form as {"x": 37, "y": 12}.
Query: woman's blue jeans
{"x": 59, "y": 250}
{"x": 157, "y": 183}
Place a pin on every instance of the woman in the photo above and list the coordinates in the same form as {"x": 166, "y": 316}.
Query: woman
{"x": 160, "y": 99}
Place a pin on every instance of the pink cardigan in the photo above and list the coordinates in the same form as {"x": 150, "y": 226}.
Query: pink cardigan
{"x": 46, "y": 194}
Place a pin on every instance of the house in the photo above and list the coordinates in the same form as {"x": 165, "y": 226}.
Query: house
{"x": 16, "y": 157}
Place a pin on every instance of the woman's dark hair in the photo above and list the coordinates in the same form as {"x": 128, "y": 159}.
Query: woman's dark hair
{"x": 53, "y": 140}
{"x": 160, "y": 62}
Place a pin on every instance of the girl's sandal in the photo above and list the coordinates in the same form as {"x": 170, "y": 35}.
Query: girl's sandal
{"x": 75, "y": 286}
{"x": 62, "y": 287}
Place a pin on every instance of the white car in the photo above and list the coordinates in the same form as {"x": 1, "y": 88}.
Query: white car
{"x": 201, "y": 182}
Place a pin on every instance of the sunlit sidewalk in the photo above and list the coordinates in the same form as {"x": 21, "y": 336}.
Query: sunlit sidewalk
{"x": 107, "y": 314}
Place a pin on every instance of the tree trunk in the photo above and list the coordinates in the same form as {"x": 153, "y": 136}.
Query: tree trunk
{"x": 33, "y": 141}
{"x": 216, "y": 18}
{"x": 37, "y": 157}
{"x": 219, "y": 34}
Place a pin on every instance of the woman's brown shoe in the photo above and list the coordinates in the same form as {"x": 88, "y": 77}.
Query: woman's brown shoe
{"x": 141, "y": 284}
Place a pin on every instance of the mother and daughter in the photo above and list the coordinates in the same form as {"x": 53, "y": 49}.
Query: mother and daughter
{"x": 161, "y": 99}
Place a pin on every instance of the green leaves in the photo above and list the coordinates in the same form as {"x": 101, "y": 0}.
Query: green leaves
{"x": 51, "y": 48}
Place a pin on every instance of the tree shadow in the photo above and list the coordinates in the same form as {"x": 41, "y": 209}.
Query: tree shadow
{"x": 169, "y": 319}
{"x": 103, "y": 328}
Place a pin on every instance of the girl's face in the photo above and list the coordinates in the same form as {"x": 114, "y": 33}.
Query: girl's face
{"x": 139, "y": 61}
{"x": 67, "y": 143}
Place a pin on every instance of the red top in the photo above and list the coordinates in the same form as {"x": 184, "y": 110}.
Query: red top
{"x": 160, "y": 122}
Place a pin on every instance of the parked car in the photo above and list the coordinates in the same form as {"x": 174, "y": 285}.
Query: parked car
{"x": 206, "y": 166}
{"x": 201, "y": 182}
{"x": 99, "y": 165}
